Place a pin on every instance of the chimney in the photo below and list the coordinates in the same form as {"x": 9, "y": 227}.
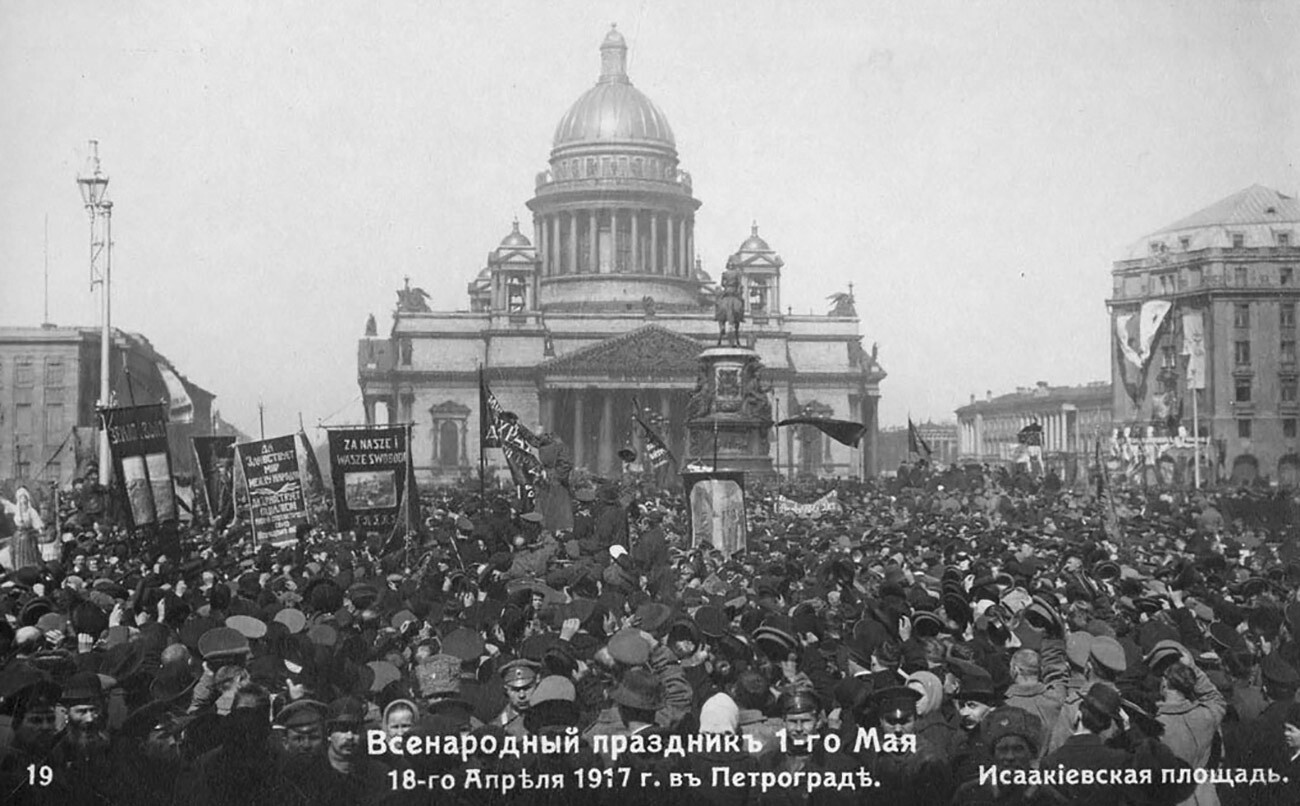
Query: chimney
{"x": 972, "y": 398}
{"x": 988, "y": 394}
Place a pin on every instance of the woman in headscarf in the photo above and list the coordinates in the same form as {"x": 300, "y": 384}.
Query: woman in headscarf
{"x": 931, "y": 724}
{"x": 24, "y": 549}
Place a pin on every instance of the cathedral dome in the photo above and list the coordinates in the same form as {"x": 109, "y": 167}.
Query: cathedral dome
{"x": 613, "y": 111}
{"x": 754, "y": 243}
{"x": 516, "y": 239}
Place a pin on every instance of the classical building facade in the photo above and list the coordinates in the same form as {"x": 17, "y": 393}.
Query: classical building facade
{"x": 1072, "y": 417}
{"x": 49, "y": 387}
{"x": 940, "y": 437}
{"x": 1215, "y": 293}
{"x": 604, "y": 306}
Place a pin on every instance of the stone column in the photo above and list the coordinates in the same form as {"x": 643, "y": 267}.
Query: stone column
{"x": 654, "y": 242}
{"x": 593, "y": 218}
{"x": 613, "y": 241}
{"x": 690, "y": 248}
{"x": 579, "y": 443}
{"x": 539, "y": 240}
{"x": 605, "y": 454}
{"x": 571, "y": 258}
{"x": 636, "y": 241}
{"x": 554, "y": 246}
{"x": 683, "y": 267}
{"x": 671, "y": 251}
{"x": 545, "y": 406}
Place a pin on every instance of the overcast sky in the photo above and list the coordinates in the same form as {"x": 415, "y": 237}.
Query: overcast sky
{"x": 973, "y": 168}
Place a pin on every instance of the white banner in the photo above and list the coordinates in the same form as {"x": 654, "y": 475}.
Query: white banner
{"x": 1194, "y": 348}
{"x": 828, "y": 503}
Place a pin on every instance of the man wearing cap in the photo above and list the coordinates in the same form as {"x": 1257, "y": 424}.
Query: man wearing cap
{"x": 34, "y": 735}
{"x": 1014, "y": 736}
{"x": 1263, "y": 742}
{"x": 1098, "y": 720}
{"x": 1105, "y": 662}
{"x": 520, "y": 679}
{"x": 303, "y": 723}
{"x": 344, "y": 774}
{"x": 919, "y": 777}
{"x": 1191, "y": 711}
{"x": 804, "y": 724}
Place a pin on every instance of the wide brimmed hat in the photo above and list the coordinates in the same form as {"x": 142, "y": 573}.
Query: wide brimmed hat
{"x": 639, "y": 689}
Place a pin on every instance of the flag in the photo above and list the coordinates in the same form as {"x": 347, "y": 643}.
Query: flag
{"x": 180, "y": 406}
{"x": 1135, "y": 333}
{"x": 1194, "y": 348}
{"x": 845, "y": 432}
{"x": 311, "y": 468}
{"x": 1031, "y": 435}
{"x": 658, "y": 452}
{"x": 489, "y": 410}
{"x": 915, "y": 442}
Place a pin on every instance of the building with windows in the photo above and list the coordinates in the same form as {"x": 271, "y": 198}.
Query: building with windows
{"x": 940, "y": 437}
{"x": 49, "y": 388}
{"x": 1214, "y": 296}
{"x": 602, "y": 305}
{"x": 1072, "y": 417}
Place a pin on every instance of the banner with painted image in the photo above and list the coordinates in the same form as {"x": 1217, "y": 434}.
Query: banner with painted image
{"x": 214, "y": 460}
{"x": 715, "y": 504}
{"x": 137, "y": 438}
{"x": 275, "y": 501}
{"x": 368, "y": 469}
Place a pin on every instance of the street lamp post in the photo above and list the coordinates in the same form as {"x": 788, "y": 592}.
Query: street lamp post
{"x": 93, "y": 184}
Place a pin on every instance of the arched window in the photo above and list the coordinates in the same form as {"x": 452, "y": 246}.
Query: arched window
{"x": 448, "y": 444}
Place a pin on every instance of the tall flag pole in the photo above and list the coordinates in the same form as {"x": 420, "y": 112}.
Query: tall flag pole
{"x": 915, "y": 442}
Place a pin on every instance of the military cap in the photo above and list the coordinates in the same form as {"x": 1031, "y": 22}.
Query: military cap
{"x": 977, "y": 686}
{"x": 629, "y": 647}
{"x": 552, "y": 688}
{"x": 531, "y": 517}
{"x": 52, "y": 622}
{"x": 712, "y": 621}
{"x": 302, "y": 714}
{"x": 1108, "y": 652}
{"x": 346, "y": 711}
{"x": 1011, "y": 721}
{"x": 1225, "y": 636}
{"x": 798, "y": 701}
{"x": 223, "y": 642}
{"x": 384, "y": 673}
{"x": 1078, "y": 647}
{"x": 463, "y": 643}
{"x": 1279, "y": 672}
{"x": 896, "y": 699}
{"x": 247, "y": 626}
{"x": 520, "y": 670}
{"x": 1164, "y": 653}
{"x": 464, "y": 524}
{"x": 400, "y": 618}
{"x": 653, "y": 615}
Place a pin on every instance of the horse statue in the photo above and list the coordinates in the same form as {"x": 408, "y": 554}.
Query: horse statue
{"x": 729, "y": 305}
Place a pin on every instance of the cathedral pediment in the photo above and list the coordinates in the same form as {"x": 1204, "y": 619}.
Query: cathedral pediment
{"x": 650, "y": 350}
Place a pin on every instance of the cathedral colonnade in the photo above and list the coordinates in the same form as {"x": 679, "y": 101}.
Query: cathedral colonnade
{"x": 595, "y": 422}
{"x": 615, "y": 240}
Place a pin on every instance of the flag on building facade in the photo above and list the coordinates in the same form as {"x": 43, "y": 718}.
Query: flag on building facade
{"x": 1194, "y": 348}
{"x": 1135, "y": 335}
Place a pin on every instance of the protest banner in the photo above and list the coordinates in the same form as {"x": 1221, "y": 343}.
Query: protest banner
{"x": 715, "y": 505}
{"x": 137, "y": 438}
{"x": 214, "y": 461}
{"x": 368, "y": 468}
{"x": 828, "y": 504}
{"x": 275, "y": 501}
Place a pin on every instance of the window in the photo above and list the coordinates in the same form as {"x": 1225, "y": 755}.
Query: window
{"x": 516, "y": 295}
{"x": 1167, "y": 283}
{"x": 1243, "y": 390}
{"x": 1288, "y": 427}
{"x": 1241, "y": 352}
{"x": 1243, "y": 429}
{"x": 407, "y": 351}
{"x": 758, "y": 296}
{"x": 1288, "y": 351}
{"x": 54, "y": 373}
{"x": 1168, "y": 357}
{"x": 54, "y": 424}
{"x": 1287, "y": 319}
{"x": 24, "y": 420}
{"x": 1288, "y": 390}
{"x": 1239, "y": 275}
{"x": 24, "y": 374}
{"x": 1241, "y": 316}
{"x": 1238, "y": 240}
{"x": 1285, "y": 275}
{"x": 1283, "y": 239}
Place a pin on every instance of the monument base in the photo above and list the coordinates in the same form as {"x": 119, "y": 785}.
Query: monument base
{"x": 730, "y": 424}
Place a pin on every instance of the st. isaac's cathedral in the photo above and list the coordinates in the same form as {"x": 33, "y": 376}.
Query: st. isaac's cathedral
{"x": 604, "y": 303}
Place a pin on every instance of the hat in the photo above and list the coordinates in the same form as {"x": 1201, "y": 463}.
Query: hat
{"x": 1011, "y": 721}
{"x": 617, "y": 550}
{"x": 712, "y": 621}
{"x": 627, "y": 455}
{"x": 323, "y": 635}
{"x": 82, "y": 687}
{"x": 629, "y": 647}
{"x": 553, "y": 688}
{"x": 1278, "y": 672}
{"x": 438, "y": 675}
{"x": 1078, "y": 647}
{"x": 898, "y": 699}
{"x": 223, "y": 643}
{"x": 346, "y": 711}
{"x": 641, "y": 689}
{"x": 1108, "y": 652}
{"x": 1164, "y": 653}
{"x": 798, "y": 701}
{"x": 653, "y": 615}
{"x": 247, "y": 626}
{"x": 1104, "y": 698}
{"x": 463, "y": 643}
{"x": 464, "y": 524}
{"x": 384, "y": 673}
{"x": 520, "y": 670}
{"x": 302, "y": 714}
{"x": 531, "y": 517}
{"x": 978, "y": 686}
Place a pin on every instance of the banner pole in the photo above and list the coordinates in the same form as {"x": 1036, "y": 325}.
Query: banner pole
{"x": 482, "y": 458}
{"x": 1196, "y": 442}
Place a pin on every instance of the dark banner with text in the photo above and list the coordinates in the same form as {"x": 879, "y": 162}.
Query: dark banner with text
{"x": 137, "y": 437}
{"x": 274, "y": 482}
{"x": 368, "y": 468}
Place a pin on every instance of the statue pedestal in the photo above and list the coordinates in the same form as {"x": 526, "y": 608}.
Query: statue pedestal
{"x": 730, "y": 415}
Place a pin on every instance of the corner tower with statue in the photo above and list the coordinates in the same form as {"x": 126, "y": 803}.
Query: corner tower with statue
{"x": 605, "y": 310}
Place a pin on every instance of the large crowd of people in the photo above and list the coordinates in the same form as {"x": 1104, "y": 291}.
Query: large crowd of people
{"x": 964, "y": 637}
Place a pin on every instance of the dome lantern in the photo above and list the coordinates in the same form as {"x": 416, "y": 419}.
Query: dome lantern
{"x": 613, "y": 57}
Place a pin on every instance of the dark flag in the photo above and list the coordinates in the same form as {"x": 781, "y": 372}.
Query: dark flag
{"x": 656, "y": 450}
{"x": 1031, "y": 435}
{"x": 915, "y": 442}
{"x": 489, "y": 412}
{"x": 315, "y": 481}
{"x": 845, "y": 432}
{"x": 214, "y": 459}
{"x": 137, "y": 437}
